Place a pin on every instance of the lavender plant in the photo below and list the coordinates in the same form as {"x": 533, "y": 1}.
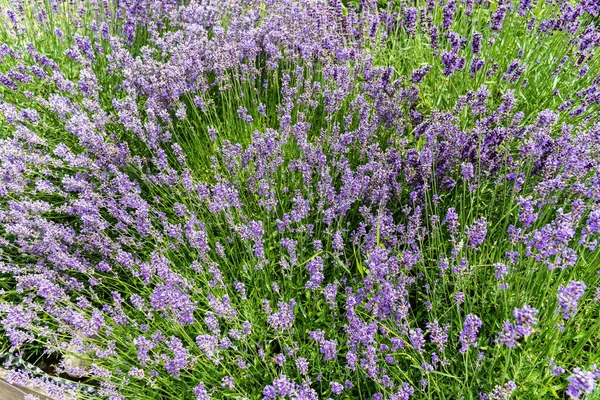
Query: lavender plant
{"x": 302, "y": 199}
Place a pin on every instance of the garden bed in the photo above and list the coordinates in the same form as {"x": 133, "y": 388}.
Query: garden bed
{"x": 301, "y": 199}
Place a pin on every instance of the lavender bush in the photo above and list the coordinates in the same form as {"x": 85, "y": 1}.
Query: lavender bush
{"x": 302, "y": 199}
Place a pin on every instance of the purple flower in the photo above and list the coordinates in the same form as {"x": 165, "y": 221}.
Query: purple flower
{"x": 546, "y": 118}
{"x": 283, "y": 386}
{"x": 417, "y": 339}
{"x": 467, "y": 171}
{"x": 280, "y": 359}
{"x": 476, "y": 42}
{"x": 498, "y": 17}
{"x": 212, "y": 133}
{"x": 180, "y": 356}
{"x": 452, "y": 62}
{"x": 269, "y": 393}
{"x": 410, "y": 20}
{"x": 304, "y": 392}
{"x": 283, "y": 319}
{"x": 143, "y": 348}
{"x": 418, "y": 74}
{"x": 315, "y": 272}
{"x": 261, "y": 109}
{"x": 338, "y": 242}
{"x": 404, "y": 392}
{"x": 240, "y": 288}
{"x": 451, "y": 221}
{"x": 501, "y": 271}
{"x": 448, "y": 14}
{"x": 525, "y": 320}
{"x": 201, "y": 392}
{"x": 476, "y": 66}
{"x": 468, "y": 336}
{"x": 459, "y": 298}
{"x": 302, "y": 365}
{"x": 527, "y": 213}
{"x": 514, "y": 71}
{"x": 580, "y": 382}
{"x": 330, "y": 293}
{"x": 477, "y": 233}
{"x": 336, "y": 388}
{"x": 209, "y": 345}
{"x": 555, "y": 370}
{"x": 508, "y": 336}
{"x": 243, "y": 114}
{"x": 328, "y": 349}
{"x": 227, "y": 382}
{"x": 524, "y": 6}
{"x": 568, "y": 298}
{"x": 503, "y": 392}
{"x": 438, "y": 334}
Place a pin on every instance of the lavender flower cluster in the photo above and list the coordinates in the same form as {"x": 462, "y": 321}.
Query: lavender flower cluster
{"x": 302, "y": 199}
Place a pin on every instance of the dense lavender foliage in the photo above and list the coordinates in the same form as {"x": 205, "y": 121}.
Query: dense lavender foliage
{"x": 302, "y": 199}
